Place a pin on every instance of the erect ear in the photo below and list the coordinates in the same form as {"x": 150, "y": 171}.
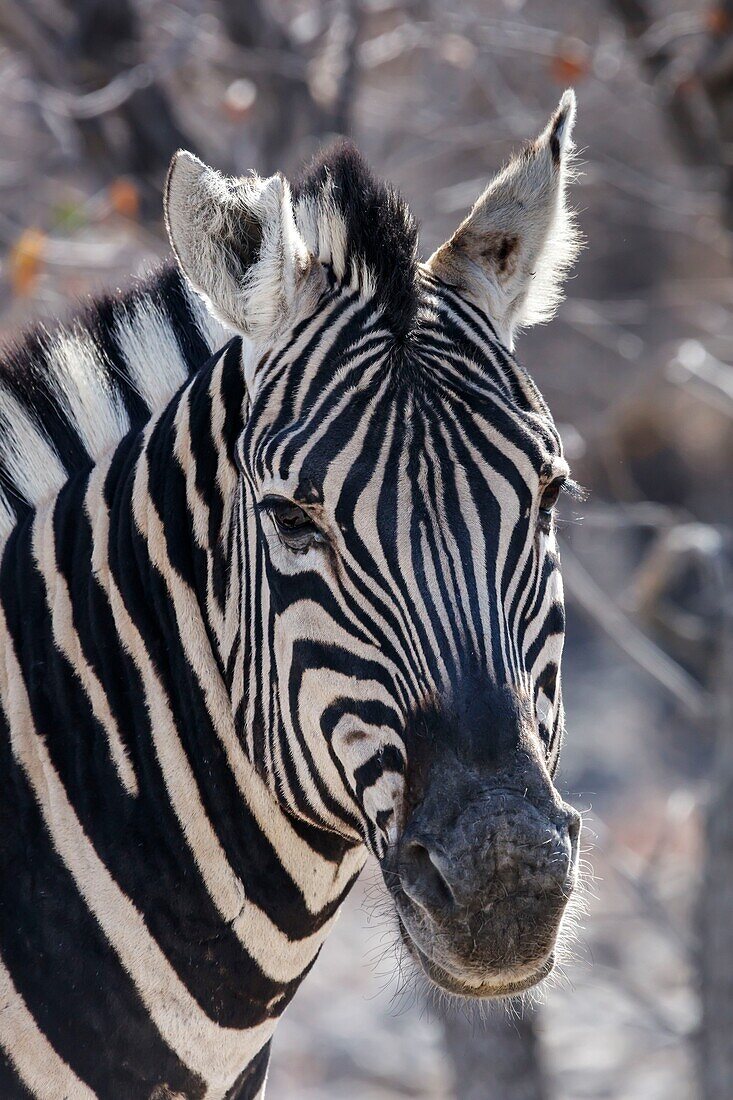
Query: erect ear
{"x": 237, "y": 243}
{"x": 512, "y": 252}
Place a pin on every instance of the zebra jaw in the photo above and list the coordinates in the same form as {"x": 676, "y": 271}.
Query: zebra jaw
{"x": 468, "y": 987}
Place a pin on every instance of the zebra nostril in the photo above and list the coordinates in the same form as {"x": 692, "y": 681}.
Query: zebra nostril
{"x": 574, "y": 822}
{"x": 422, "y": 880}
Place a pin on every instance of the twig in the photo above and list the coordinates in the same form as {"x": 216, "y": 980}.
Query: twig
{"x": 695, "y": 369}
{"x": 627, "y": 636}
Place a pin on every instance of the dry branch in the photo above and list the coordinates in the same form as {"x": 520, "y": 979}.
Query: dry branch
{"x": 89, "y": 70}
{"x": 617, "y": 626}
{"x": 496, "y": 1059}
{"x": 696, "y": 96}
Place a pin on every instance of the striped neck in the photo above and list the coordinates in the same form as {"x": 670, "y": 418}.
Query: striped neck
{"x": 210, "y": 902}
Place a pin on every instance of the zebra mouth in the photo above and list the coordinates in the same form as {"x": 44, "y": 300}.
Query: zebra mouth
{"x": 496, "y": 987}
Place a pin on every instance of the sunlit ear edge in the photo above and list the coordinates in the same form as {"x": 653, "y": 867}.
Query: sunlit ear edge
{"x": 511, "y": 254}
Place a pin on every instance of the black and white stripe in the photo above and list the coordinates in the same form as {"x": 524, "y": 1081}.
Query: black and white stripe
{"x": 202, "y": 729}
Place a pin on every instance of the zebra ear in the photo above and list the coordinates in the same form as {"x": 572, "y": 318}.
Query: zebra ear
{"x": 514, "y": 249}
{"x": 237, "y": 243}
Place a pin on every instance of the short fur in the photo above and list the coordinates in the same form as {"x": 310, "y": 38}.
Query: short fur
{"x": 209, "y": 713}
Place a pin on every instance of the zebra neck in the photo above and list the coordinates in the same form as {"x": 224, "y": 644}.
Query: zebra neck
{"x": 276, "y": 882}
{"x": 209, "y": 902}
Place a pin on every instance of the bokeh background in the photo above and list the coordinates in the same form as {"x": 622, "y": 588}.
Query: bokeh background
{"x": 95, "y": 95}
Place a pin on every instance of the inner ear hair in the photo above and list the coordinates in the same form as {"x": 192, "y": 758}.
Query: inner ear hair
{"x": 241, "y": 241}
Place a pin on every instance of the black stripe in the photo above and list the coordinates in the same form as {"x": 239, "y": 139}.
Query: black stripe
{"x": 11, "y": 1086}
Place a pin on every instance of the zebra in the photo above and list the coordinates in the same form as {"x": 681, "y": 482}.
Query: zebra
{"x": 279, "y": 588}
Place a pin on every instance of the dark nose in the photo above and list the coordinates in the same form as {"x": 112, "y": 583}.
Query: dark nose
{"x": 497, "y": 848}
{"x": 425, "y": 878}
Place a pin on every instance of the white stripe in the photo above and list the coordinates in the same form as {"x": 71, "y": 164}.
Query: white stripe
{"x": 149, "y": 346}
{"x": 365, "y": 524}
{"x": 77, "y": 376}
{"x": 7, "y": 518}
{"x": 403, "y": 542}
{"x": 28, "y": 456}
{"x": 213, "y": 332}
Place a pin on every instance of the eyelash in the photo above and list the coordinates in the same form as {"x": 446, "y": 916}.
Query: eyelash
{"x": 574, "y": 490}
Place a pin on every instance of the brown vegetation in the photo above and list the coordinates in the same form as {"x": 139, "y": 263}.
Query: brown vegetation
{"x": 95, "y": 97}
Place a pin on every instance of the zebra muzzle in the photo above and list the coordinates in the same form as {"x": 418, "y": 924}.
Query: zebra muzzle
{"x": 481, "y": 879}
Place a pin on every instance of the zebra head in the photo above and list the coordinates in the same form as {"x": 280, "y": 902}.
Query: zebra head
{"x": 400, "y": 606}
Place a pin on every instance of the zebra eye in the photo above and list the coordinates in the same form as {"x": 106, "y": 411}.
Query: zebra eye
{"x": 289, "y": 516}
{"x": 548, "y": 500}
{"x": 293, "y": 524}
{"x": 551, "y": 494}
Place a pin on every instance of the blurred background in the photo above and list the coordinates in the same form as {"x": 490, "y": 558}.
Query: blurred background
{"x": 95, "y": 95}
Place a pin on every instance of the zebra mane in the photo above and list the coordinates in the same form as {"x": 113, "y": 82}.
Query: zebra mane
{"x": 70, "y": 393}
{"x": 364, "y": 229}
